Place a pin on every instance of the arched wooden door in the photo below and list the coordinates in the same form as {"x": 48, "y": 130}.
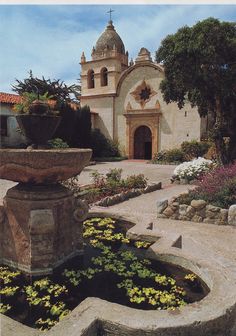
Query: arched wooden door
{"x": 143, "y": 143}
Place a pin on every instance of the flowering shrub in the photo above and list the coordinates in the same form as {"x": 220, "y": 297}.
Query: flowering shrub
{"x": 217, "y": 187}
{"x": 192, "y": 170}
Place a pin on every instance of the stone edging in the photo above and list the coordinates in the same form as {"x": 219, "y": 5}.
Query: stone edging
{"x": 124, "y": 196}
{"x": 198, "y": 211}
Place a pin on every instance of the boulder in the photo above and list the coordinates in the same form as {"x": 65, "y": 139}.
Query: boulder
{"x": 198, "y": 204}
{"x": 223, "y": 217}
{"x": 161, "y": 205}
{"x": 168, "y": 211}
{"x": 197, "y": 219}
{"x": 232, "y": 215}
{"x": 190, "y": 211}
{"x": 183, "y": 209}
{"x": 212, "y": 208}
{"x": 174, "y": 205}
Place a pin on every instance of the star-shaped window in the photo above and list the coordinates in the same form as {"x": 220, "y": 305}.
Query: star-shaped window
{"x": 143, "y": 93}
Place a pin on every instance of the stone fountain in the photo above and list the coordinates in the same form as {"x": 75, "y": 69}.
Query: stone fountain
{"x": 40, "y": 220}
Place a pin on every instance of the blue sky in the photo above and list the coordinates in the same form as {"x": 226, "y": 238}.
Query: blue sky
{"x": 49, "y": 39}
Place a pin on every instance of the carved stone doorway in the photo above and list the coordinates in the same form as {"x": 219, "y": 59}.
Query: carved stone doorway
{"x": 143, "y": 143}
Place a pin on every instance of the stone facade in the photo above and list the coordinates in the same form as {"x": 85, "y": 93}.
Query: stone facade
{"x": 128, "y": 101}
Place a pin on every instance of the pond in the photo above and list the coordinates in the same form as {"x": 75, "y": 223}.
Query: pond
{"x": 109, "y": 269}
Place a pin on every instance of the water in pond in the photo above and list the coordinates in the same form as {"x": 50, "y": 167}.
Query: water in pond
{"x": 108, "y": 270}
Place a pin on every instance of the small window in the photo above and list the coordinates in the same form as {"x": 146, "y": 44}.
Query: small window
{"x": 185, "y": 113}
{"x": 104, "y": 77}
{"x": 91, "y": 84}
{"x": 3, "y": 125}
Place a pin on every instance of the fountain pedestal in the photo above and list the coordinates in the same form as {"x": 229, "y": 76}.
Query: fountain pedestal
{"x": 41, "y": 224}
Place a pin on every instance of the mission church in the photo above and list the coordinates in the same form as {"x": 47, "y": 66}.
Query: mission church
{"x": 126, "y": 102}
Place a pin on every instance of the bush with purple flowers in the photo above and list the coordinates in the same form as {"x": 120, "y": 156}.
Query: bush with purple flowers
{"x": 217, "y": 187}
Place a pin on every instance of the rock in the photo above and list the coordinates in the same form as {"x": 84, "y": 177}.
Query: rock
{"x": 197, "y": 219}
{"x": 152, "y": 187}
{"x": 161, "y": 216}
{"x": 223, "y": 217}
{"x": 182, "y": 217}
{"x": 232, "y": 215}
{"x": 168, "y": 211}
{"x": 161, "y": 205}
{"x": 183, "y": 209}
{"x": 201, "y": 212}
{"x": 175, "y": 216}
{"x": 212, "y": 208}
{"x": 190, "y": 211}
{"x": 174, "y": 206}
{"x": 198, "y": 204}
{"x": 184, "y": 181}
{"x": 209, "y": 220}
{"x": 212, "y": 215}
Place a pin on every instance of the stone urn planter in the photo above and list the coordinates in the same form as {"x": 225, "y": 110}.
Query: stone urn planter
{"x": 39, "y": 123}
{"x": 38, "y": 128}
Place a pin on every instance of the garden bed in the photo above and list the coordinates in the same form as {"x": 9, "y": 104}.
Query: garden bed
{"x": 111, "y": 188}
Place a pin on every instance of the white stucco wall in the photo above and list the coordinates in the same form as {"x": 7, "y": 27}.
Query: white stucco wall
{"x": 174, "y": 126}
{"x": 14, "y": 137}
{"x": 104, "y": 119}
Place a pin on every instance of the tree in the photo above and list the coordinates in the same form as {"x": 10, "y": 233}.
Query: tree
{"x": 57, "y": 89}
{"x": 200, "y": 68}
{"x": 75, "y": 126}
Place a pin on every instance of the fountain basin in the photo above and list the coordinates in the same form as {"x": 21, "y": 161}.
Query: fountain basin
{"x": 42, "y": 166}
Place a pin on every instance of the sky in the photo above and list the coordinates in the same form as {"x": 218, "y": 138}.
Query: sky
{"x": 49, "y": 39}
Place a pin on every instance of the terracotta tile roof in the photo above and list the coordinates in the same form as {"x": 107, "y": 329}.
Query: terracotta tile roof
{"x": 9, "y": 98}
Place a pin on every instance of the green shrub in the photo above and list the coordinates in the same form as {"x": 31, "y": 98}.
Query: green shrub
{"x": 114, "y": 174}
{"x": 103, "y": 147}
{"x": 159, "y": 157}
{"x": 136, "y": 181}
{"x": 194, "y": 149}
{"x": 173, "y": 156}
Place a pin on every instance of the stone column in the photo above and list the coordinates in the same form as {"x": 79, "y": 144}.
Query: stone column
{"x": 42, "y": 228}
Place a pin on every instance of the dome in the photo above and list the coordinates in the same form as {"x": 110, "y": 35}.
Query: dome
{"x": 110, "y": 40}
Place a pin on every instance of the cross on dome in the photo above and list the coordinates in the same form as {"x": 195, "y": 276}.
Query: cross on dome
{"x": 110, "y": 11}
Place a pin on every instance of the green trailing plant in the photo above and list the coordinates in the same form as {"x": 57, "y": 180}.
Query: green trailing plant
{"x": 7, "y": 276}
{"x": 28, "y": 98}
{"x": 4, "y": 308}
{"x": 57, "y": 143}
{"x": 142, "y": 244}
